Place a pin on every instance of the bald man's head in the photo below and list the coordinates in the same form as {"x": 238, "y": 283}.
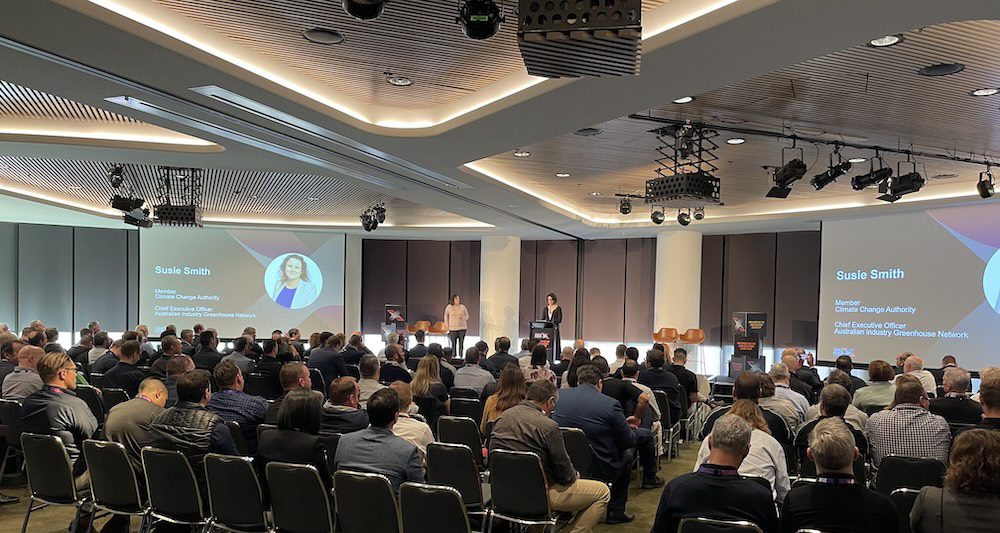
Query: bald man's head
{"x": 28, "y": 356}
{"x": 791, "y": 359}
{"x": 154, "y": 390}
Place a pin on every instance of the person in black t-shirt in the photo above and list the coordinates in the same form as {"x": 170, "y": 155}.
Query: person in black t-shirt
{"x": 685, "y": 377}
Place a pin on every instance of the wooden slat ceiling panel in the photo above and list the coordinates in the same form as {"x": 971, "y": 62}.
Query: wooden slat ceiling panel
{"x": 867, "y": 95}
{"x": 18, "y": 101}
{"x": 267, "y": 194}
{"x": 416, "y": 39}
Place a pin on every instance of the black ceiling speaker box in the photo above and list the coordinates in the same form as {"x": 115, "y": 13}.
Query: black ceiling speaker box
{"x": 683, "y": 190}
{"x": 577, "y": 38}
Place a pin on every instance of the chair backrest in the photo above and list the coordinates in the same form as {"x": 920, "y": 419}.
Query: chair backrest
{"x": 429, "y": 407}
{"x": 365, "y": 503}
{"x": 354, "y": 371}
{"x": 258, "y": 384}
{"x": 455, "y": 465}
{"x": 292, "y": 489}
{"x": 467, "y": 407}
{"x": 709, "y": 525}
{"x": 96, "y": 379}
{"x": 872, "y": 409}
{"x": 330, "y": 441}
{"x": 113, "y": 397}
{"x": 316, "y": 378}
{"x": 234, "y": 493}
{"x": 94, "y": 402}
{"x": 578, "y": 449}
{"x": 462, "y": 392}
{"x": 895, "y": 472}
{"x": 239, "y": 438}
{"x": 518, "y": 485}
{"x": 171, "y": 485}
{"x": 10, "y": 418}
{"x": 113, "y": 481}
{"x": 50, "y": 474}
{"x": 460, "y": 430}
{"x": 904, "y": 499}
{"x": 261, "y": 428}
{"x": 663, "y": 403}
{"x": 432, "y": 509}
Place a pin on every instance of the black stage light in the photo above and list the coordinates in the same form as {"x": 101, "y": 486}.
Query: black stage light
{"x": 985, "y": 185}
{"x": 480, "y": 19}
{"x": 625, "y": 206}
{"x": 116, "y": 176}
{"x": 138, "y": 217}
{"x": 379, "y": 210}
{"x": 822, "y": 180}
{"x": 368, "y": 221}
{"x": 123, "y": 203}
{"x": 699, "y": 213}
{"x": 862, "y": 182}
{"x": 364, "y": 9}
{"x": 683, "y": 217}
{"x": 657, "y": 215}
{"x": 901, "y": 186}
{"x": 785, "y": 176}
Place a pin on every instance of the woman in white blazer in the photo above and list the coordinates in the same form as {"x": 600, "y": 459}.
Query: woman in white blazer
{"x": 294, "y": 290}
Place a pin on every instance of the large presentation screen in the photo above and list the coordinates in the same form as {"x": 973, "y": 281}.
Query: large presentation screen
{"x": 924, "y": 282}
{"x": 230, "y": 279}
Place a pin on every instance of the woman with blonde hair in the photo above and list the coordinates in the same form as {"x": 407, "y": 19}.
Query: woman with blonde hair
{"x": 766, "y": 458}
{"x": 511, "y": 390}
{"x": 427, "y": 382}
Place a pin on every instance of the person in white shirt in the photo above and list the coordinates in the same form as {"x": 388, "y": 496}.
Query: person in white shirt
{"x": 781, "y": 376}
{"x": 779, "y": 406}
{"x": 411, "y": 427}
{"x": 914, "y": 366}
{"x": 619, "y": 359}
{"x": 471, "y": 375}
{"x": 857, "y": 418}
{"x": 766, "y": 458}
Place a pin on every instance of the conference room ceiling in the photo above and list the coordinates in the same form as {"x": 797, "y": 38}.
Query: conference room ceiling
{"x": 863, "y": 95}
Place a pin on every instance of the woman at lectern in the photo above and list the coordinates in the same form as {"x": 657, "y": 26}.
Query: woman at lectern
{"x": 456, "y": 317}
{"x": 553, "y": 313}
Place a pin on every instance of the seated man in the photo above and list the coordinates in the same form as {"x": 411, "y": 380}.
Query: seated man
{"x": 657, "y": 377}
{"x": 779, "y": 406}
{"x": 239, "y": 356}
{"x": 783, "y": 391}
{"x": 128, "y": 422}
{"x": 857, "y": 418}
{"x": 411, "y": 427}
{"x": 206, "y": 356}
{"x": 955, "y": 406}
{"x": 394, "y": 368}
{"x": 471, "y": 375}
{"x": 610, "y": 435}
{"x": 234, "y": 405}
{"x": 989, "y": 398}
{"x": 636, "y": 404}
{"x": 527, "y": 427}
{"x": 24, "y": 380}
{"x": 836, "y": 502}
{"x": 913, "y": 365}
{"x": 717, "y": 490}
{"x": 108, "y": 360}
{"x": 171, "y": 347}
{"x": 340, "y": 412}
{"x": 908, "y": 429}
{"x": 125, "y": 375}
{"x": 55, "y": 410}
{"x": 833, "y": 403}
{"x": 176, "y": 367}
{"x": 293, "y": 376}
{"x": 747, "y": 387}
{"x": 369, "y": 384}
{"x": 846, "y": 364}
{"x": 376, "y": 449}
{"x": 501, "y": 357}
{"x": 686, "y": 378}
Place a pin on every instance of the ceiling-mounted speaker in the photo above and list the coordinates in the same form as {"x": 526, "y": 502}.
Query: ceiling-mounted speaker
{"x": 581, "y": 38}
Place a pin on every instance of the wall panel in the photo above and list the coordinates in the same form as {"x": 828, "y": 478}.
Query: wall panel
{"x": 465, "y": 256}
{"x": 383, "y": 281}
{"x": 426, "y": 280}
{"x": 8, "y": 275}
{"x": 100, "y": 285}
{"x": 45, "y": 283}
{"x": 603, "y": 307}
{"x": 557, "y": 273}
{"x": 528, "y": 308}
{"x": 640, "y": 279}
{"x": 133, "y": 279}
{"x": 712, "y": 260}
{"x": 748, "y": 283}
{"x": 796, "y": 304}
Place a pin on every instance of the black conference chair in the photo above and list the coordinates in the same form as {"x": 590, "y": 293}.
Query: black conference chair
{"x": 113, "y": 483}
{"x": 50, "y": 477}
{"x": 239, "y": 438}
{"x": 432, "y": 509}
{"x": 461, "y": 430}
{"x": 113, "y": 397}
{"x": 455, "y": 465}
{"x": 96, "y": 379}
{"x": 471, "y": 408}
{"x": 708, "y": 525}
{"x": 897, "y": 472}
{"x": 10, "y": 419}
{"x": 354, "y": 371}
{"x": 671, "y": 430}
{"x": 330, "y": 441}
{"x": 578, "y": 449}
{"x": 234, "y": 494}
{"x": 957, "y": 428}
{"x": 462, "y": 392}
{"x": 261, "y": 385}
{"x": 519, "y": 491}
{"x": 94, "y": 402}
{"x": 261, "y": 428}
{"x": 904, "y": 498}
{"x": 430, "y": 408}
{"x": 293, "y": 488}
{"x": 872, "y": 409}
{"x": 316, "y": 378}
{"x": 174, "y": 496}
{"x": 365, "y": 503}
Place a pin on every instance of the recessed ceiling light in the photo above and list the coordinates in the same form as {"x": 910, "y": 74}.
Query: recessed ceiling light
{"x": 397, "y": 80}
{"x": 596, "y": 193}
{"x": 74, "y": 187}
{"x": 987, "y": 91}
{"x": 562, "y": 174}
{"x": 313, "y": 198}
{"x": 684, "y": 100}
{"x": 856, "y": 160}
{"x": 736, "y": 140}
{"x": 513, "y": 206}
{"x": 888, "y": 40}
{"x": 941, "y": 69}
{"x": 588, "y": 132}
{"x": 323, "y": 36}
{"x": 522, "y": 153}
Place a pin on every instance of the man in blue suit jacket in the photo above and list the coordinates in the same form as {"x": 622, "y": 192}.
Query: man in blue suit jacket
{"x": 610, "y": 435}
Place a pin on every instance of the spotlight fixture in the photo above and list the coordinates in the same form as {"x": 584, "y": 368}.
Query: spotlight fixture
{"x": 876, "y": 176}
{"x": 595, "y": 194}
{"x": 835, "y": 171}
{"x": 657, "y": 215}
{"x": 736, "y": 140}
{"x": 883, "y": 42}
{"x": 480, "y": 19}
{"x": 138, "y": 217}
{"x": 787, "y": 174}
{"x": 364, "y": 9}
{"x": 899, "y": 186}
{"x": 684, "y": 100}
{"x": 683, "y": 217}
{"x": 522, "y": 153}
{"x": 396, "y": 80}
{"x": 941, "y": 69}
{"x": 985, "y": 185}
{"x": 373, "y": 216}
{"x": 116, "y": 176}
{"x": 588, "y": 132}
{"x": 379, "y": 209}
{"x": 625, "y": 206}
{"x": 699, "y": 213}
{"x": 125, "y": 203}
{"x": 986, "y": 91}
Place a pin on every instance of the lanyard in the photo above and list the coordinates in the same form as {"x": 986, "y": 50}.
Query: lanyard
{"x": 717, "y": 471}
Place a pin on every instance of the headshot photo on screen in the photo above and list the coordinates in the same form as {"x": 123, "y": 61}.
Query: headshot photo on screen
{"x": 293, "y": 281}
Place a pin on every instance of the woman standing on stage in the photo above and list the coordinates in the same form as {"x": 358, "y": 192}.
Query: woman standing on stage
{"x": 553, "y": 313}
{"x": 456, "y": 317}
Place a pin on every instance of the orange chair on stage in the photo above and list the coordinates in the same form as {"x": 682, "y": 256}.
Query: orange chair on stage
{"x": 693, "y": 336}
{"x": 419, "y": 325}
{"x": 665, "y": 335}
{"x": 439, "y": 328}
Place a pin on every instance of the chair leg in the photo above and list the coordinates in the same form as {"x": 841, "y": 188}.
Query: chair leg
{"x": 27, "y": 514}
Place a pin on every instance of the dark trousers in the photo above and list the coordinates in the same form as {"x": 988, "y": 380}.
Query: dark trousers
{"x": 646, "y": 448}
{"x": 457, "y": 339}
{"x": 619, "y": 479}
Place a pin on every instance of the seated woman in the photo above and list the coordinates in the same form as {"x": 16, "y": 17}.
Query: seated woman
{"x": 511, "y": 390}
{"x": 539, "y": 369}
{"x": 580, "y": 358}
{"x": 880, "y": 392}
{"x": 427, "y": 382}
{"x": 297, "y": 438}
{"x": 970, "y": 499}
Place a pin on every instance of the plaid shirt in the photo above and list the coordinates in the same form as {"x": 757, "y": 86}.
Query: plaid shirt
{"x": 908, "y": 430}
{"x": 240, "y": 407}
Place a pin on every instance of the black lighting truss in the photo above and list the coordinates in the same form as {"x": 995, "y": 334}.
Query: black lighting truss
{"x": 179, "y": 186}
{"x": 685, "y": 167}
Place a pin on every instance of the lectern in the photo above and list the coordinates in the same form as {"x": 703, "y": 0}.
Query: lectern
{"x": 544, "y": 332}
